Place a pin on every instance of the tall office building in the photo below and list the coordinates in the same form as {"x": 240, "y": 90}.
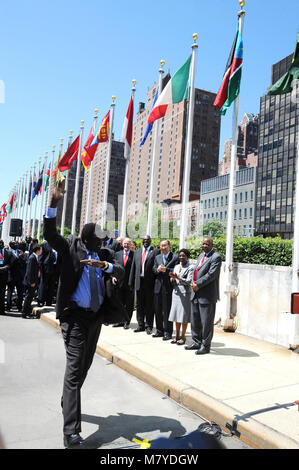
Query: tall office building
{"x": 171, "y": 149}
{"x": 116, "y": 183}
{"x": 277, "y": 161}
{"x": 70, "y": 199}
{"x": 247, "y": 144}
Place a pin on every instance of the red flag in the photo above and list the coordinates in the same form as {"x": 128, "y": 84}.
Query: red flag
{"x": 128, "y": 128}
{"x": 94, "y": 139}
{"x": 70, "y": 156}
{"x": 88, "y": 153}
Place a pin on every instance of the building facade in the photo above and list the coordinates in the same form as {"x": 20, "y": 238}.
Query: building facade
{"x": 71, "y": 175}
{"x": 214, "y": 201}
{"x": 170, "y": 151}
{"x": 116, "y": 184}
{"x": 247, "y": 145}
{"x": 277, "y": 161}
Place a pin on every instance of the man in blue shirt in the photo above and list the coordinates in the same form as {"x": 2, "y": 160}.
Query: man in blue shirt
{"x": 84, "y": 302}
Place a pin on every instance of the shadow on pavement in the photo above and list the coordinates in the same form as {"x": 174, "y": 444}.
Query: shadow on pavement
{"x": 127, "y": 426}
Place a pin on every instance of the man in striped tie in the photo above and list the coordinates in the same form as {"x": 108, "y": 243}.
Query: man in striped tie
{"x": 205, "y": 293}
{"x": 126, "y": 293}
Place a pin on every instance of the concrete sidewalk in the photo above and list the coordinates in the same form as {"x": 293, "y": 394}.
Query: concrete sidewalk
{"x": 245, "y": 385}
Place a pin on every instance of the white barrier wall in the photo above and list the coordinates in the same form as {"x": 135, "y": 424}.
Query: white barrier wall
{"x": 263, "y": 303}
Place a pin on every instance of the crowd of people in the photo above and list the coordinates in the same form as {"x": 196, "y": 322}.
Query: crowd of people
{"x": 28, "y": 271}
{"x": 170, "y": 291}
{"x": 95, "y": 280}
{"x": 158, "y": 283}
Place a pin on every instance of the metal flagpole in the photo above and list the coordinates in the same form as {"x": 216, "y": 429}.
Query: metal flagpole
{"x": 126, "y": 184}
{"x": 17, "y": 201}
{"x": 60, "y": 156}
{"x": 90, "y": 171}
{"x": 108, "y": 160}
{"x": 24, "y": 200}
{"x": 20, "y": 196}
{"x": 155, "y": 152}
{"x": 66, "y": 190}
{"x": 36, "y": 198}
{"x": 51, "y": 176}
{"x": 24, "y": 203}
{"x": 188, "y": 150}
{"x": 75, "y": 203}
{"x": 43, "y": 196}
{"x": 30, "y": 205}
{"x": 294, "y": 323}
{"x": 229, "y": 323}
{"x": 27, "y": 203}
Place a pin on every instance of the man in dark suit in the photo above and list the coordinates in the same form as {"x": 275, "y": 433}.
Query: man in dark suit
{"x": 205, "y": 293}
{"x": 85, "y": 300}
{"x": 47, "y": 281}
{"x": 142, "y": 279}
{"x": 31, "y": 280}
{"x": 125, "y": 292}
{"x": 112, "y": 243}
{"x": 163, "y": 265}
{"x": 16, "y": 276}
{"x": 5, "y": 263}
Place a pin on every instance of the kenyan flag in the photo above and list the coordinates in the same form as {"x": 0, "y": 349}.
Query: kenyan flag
{"x": 230, "y": 86}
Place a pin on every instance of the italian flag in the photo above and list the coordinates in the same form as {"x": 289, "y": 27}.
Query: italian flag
{"x": 175, "y": 91}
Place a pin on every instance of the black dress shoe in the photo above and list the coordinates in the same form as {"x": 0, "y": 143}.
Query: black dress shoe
{"x": 139, "y": 329}
{"x": 202, "y": 350}
{"x": 126, "y": 326}
{"x": 166, "y": 337}
{"x": 26, "y": 315}
{"x": 192, "y": 346}
{"x": 118, "y": 324}
{"x": 157, "y": 335}
{"x": 72, "y": 441}
{"x": 149, "y": 330}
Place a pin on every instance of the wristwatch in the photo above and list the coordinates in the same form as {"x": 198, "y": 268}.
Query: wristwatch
{"x": 106, "y": 265}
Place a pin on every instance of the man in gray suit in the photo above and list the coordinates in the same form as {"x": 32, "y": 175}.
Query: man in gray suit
{"x": 205, "y": 293}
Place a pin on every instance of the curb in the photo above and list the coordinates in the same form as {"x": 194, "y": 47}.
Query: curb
{"x": 248, "y": 430}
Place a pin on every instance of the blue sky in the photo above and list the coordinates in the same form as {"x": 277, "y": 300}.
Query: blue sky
{"x": 59, "y": 60}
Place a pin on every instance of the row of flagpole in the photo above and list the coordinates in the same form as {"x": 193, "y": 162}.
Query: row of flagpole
{"x": 127, "y": 138}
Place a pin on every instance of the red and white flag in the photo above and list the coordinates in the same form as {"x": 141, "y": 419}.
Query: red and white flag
{"x": 128, "y": 129}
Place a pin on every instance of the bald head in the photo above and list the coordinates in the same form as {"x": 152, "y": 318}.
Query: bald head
{"x": 207, "y": 244}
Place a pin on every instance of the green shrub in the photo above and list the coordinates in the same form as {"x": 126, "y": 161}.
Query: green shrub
{"x": 255, "y": 250}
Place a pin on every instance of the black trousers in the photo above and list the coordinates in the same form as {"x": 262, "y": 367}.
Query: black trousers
{"x": 3, "y": 282}
{"x": 202, "y": 323}
{"x": 28, "y": 299}
{"x": 145, "y": 305}
{"x": 126, "y": 296}
{"x": 80, "y": 330}
{"x": 162, "y": 311}
{"x": 46, "y": 288}
{"x": 20, "y": 291}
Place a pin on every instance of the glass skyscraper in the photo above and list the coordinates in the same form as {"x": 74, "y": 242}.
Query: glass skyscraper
{"x": 276, "y": 172}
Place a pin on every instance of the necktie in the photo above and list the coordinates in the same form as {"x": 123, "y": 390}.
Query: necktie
{"x": 143, "y": 258}
{"x": 94, "y": 294}
{"x": 195, "y": 274}
{"x": 125, "y": 259}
